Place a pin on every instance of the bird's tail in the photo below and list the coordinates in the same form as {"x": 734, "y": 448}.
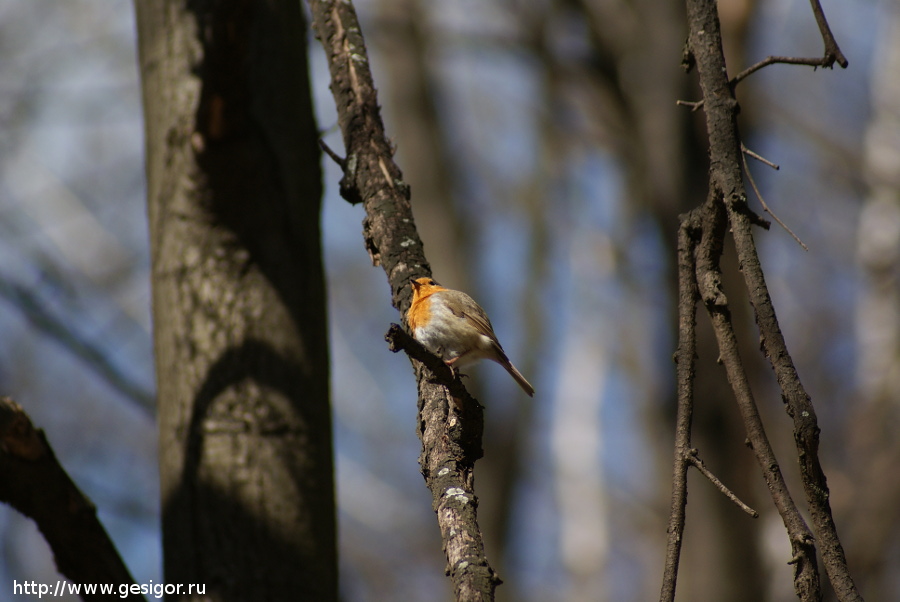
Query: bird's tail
{"x": 526, "y": 386}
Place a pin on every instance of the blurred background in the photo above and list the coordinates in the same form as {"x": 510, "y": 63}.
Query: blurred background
{"x": 548, "y": 163}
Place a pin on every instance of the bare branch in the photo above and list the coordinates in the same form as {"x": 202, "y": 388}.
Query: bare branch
{"x": 450, "y": 422}
{"x": 727, "y": 206}
{"x": 758, "y": 157}
{"x": 799, "y": 408}
{"x": 685, "y": 359}
{"x": 341, "y": 162}
{"x": 33, "y": 482}
{"x": 775, "y": 60}
{"x": 762, "y": 202}
{"x": 694, "y": 105}
{"x": 697, "y": 463}
{"x": 832, "y": 51}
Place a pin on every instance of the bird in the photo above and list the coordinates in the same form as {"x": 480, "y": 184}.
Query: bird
{"x": 451, "y": 325}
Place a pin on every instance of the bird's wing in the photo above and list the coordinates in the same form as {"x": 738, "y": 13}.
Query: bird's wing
{"x": 481, "y": 323}
{"x": 463, "y": 306}
{"x": 472, "y": 312}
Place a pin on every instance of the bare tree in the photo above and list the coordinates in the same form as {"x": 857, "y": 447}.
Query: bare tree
{"x": 701, "y": 242}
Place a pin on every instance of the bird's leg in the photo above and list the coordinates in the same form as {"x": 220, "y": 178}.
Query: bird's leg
{"x": 450, "y": 364}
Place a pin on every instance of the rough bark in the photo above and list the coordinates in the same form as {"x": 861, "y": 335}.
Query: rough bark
{"x": 234, "y": 193}
{"x": 450, "y": 422}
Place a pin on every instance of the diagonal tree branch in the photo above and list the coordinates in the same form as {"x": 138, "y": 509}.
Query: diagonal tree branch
{"x": 726, "y": 210}
{"x": 799, "y": 408}
{"x": 806, "y": 574}
{"x": 450, "y": 423}
{"x": 726, "y": 178}
{"x": 33, "y": 482}
{"x": 765, "y": 206}
{"x": 695, "y": 461}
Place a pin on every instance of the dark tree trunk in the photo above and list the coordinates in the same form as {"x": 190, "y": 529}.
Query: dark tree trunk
{"x": 234, "y": 193}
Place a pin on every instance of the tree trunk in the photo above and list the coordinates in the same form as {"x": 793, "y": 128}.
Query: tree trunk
{"x": 234, "y": 194}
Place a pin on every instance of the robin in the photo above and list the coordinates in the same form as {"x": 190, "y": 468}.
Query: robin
{"x": 452, "y": 326}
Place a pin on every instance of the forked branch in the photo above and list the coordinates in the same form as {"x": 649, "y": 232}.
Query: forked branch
{"x": 831, "y": 56}
{"x": 701, "y": 239}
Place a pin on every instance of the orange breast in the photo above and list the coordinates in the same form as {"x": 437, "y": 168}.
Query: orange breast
{"x": 419, "y": 313}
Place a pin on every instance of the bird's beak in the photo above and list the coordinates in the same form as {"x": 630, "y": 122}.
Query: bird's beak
{"x": 414, "y": 284}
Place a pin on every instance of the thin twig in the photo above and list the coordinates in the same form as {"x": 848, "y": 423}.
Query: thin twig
{"x": 832, "y": 54}
{"x": 825, "y": 61}
{"x": 774, "y": 60}
{"x": 765, "y": 207}
{"x": 759, "y": 158}
{"x": 697, "y": 463}
{"x": 693, "y": 104}
{"x": 342, "y": 163}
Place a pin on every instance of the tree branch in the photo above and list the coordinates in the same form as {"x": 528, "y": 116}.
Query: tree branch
{"x": 806, "y": 574}
{"x": 832, "y": 51}
{"x": 695, "y": 461}
{"x": 450, "y": 422}
{"x": 782, "y": 60}
{"x": 832, "y": 55}
{"x": 33, "y": 482}
{"x": 799, "y": 405}
{"x": 799, "y": 408}
{"x": 685, "y": 359}
{"x": 726, "y": 209}
{"x": 762, "y": 201}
